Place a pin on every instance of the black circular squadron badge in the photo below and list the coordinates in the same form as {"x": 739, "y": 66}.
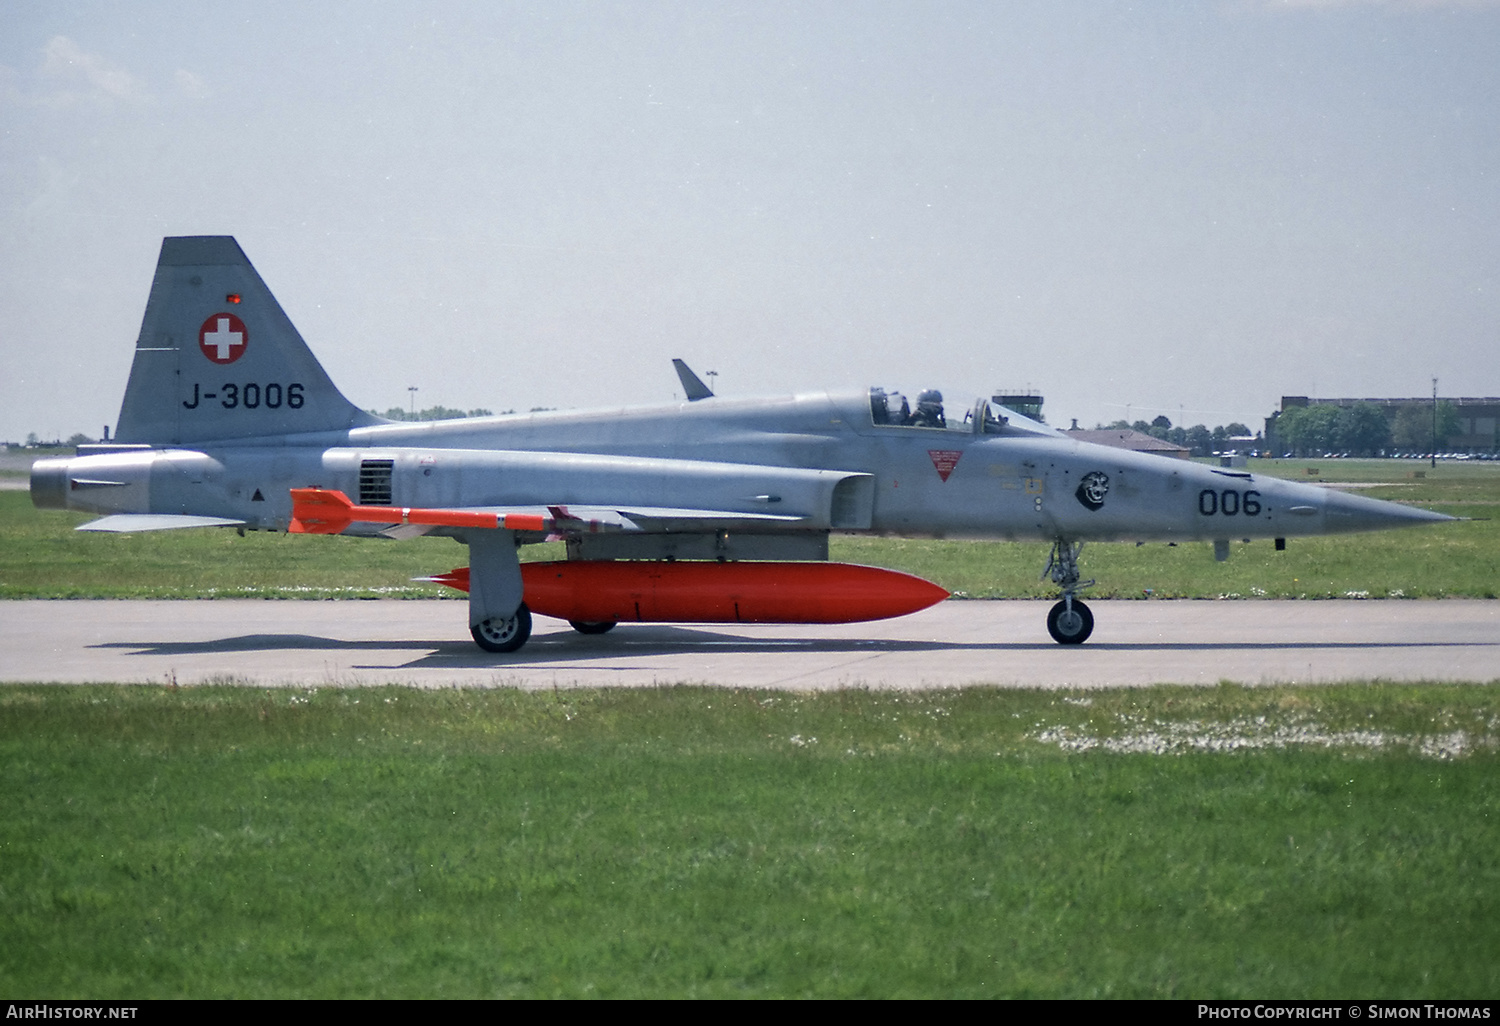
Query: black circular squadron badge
{"x": 1092, "y": 489}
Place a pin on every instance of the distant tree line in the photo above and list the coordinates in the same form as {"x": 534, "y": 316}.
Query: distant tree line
{"x": 431, "y": 413}
{"x": 33, "y": 441}
{"x": 1363, "y": 429}
{"x": 1199, "y": 438}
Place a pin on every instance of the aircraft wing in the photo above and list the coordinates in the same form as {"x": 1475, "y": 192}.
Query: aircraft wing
{"x": 563, "y": 521}
{"x": 557, "y": 521}
{"x": 661, "y": 517}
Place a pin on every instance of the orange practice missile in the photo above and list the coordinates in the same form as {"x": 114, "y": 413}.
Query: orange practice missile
{"x": 647, "y": 591}
{"x": 327, "y": 511}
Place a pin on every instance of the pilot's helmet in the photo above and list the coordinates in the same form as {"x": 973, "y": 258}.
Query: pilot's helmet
{"x": 929, "y": 397}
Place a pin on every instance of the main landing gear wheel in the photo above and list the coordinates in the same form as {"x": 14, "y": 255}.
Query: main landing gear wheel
{"x": 592, "y": 627}
{"x": 497, "y": 635}
{"x": 1070, "y": 626}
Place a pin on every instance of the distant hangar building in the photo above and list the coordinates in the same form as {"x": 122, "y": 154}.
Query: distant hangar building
{"x": 1028, "y": 403}
{"x": 1128, "y": 438}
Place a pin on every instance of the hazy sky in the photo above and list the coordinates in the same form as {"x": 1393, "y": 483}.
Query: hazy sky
{"x": 1179, "y": 208}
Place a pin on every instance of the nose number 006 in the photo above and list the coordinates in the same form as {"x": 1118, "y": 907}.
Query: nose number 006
{"x": 1228, "y": 502}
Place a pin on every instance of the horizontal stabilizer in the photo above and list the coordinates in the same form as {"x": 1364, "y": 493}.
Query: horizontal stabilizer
{"x": 124, "y": 523}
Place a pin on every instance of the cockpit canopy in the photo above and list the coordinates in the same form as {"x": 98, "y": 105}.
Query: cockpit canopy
{"x": 890, "y": 408}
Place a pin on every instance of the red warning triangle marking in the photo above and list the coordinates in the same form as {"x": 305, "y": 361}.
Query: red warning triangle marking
{"x": 945, "y": 460}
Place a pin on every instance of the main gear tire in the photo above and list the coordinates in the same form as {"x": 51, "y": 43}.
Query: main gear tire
{"x": 503, "y": 635}
{"x": 592, "y": 626}
{"x": 1070, "y": 626}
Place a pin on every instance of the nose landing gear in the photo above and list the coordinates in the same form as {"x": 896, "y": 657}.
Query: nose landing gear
{"x": 1070, "y": 622}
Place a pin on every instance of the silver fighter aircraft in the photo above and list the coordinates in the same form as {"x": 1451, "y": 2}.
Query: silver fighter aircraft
{"x": 711, "y": 509}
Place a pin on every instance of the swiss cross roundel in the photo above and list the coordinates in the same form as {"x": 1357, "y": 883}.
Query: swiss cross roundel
{"x": 223, "y": 338}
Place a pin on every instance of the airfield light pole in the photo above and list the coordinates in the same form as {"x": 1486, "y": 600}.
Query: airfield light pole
{"x": 413, "y": 390}
{"x": 1434, "y": 422}
{"x": 713, "y": 381}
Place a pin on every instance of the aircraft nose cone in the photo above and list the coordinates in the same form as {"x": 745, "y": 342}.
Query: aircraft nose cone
{"x": 1344, "y": 512}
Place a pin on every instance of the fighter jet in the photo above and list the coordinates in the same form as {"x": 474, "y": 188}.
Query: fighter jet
{"x": 713, "y": 509}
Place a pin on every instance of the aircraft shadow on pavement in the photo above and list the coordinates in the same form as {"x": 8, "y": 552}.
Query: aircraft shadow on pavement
{"x": 636, "y": 642}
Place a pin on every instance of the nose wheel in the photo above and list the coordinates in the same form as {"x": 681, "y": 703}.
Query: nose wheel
{"x": 503, "y": 635}
{"x": 1070, "y": 622}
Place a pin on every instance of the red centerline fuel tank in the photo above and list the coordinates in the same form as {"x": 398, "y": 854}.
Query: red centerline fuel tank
{"x": 702, "y": 592}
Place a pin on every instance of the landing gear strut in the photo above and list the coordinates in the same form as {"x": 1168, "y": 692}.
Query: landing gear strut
{"x": 503, "y": 635}
{"x": 1070, "y": 622}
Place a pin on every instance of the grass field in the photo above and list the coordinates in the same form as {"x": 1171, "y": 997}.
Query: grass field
{"x": 1220, "y": 842}
{"x": 42, "y": 557}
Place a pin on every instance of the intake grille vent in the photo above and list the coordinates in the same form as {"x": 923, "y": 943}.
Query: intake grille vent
{"x": 375, "y": 482}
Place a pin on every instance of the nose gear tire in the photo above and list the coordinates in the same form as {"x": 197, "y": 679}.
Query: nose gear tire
{"x": 1070, "y": 627}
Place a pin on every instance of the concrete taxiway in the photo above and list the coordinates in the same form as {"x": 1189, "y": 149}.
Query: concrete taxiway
{"x": 426, "y": 643}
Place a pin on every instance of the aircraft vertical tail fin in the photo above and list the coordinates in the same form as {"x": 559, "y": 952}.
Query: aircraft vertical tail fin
{"x": 218, "y": 359}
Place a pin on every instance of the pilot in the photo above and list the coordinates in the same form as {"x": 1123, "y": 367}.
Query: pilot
{"x": 929, "y": 409}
